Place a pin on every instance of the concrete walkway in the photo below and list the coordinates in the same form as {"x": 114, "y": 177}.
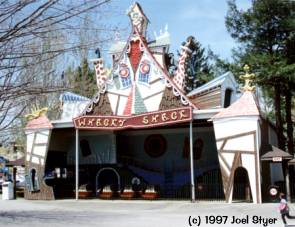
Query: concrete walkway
{"x": 102, "y": 213}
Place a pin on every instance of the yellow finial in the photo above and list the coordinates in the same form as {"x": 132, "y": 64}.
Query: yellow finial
{"x": 248, "y": 78}
{"x": 36, "y": 113}
{"x": 108, "y": 72}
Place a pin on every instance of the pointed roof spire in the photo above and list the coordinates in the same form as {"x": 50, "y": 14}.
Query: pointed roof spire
{"x": 246, "y": 105}
{"x": 179, "y": 78}
{"x": 138, "y": 19}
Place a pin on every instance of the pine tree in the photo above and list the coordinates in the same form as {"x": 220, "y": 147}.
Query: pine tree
{"x": 197, "y": 68}
{"x": 82, "y": 79}
{"x": 266, "y": 32}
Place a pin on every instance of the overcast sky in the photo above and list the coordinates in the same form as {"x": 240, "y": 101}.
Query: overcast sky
{"x": 203, "y": 19}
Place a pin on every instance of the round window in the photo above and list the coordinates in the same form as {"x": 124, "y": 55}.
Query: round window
{"x": 155, "y": 145}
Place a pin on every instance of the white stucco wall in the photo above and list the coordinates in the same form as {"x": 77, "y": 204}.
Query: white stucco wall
{"x": 235, "y": 126}
{"x": 37, "y": 145}
{"x": 232, "y": 126}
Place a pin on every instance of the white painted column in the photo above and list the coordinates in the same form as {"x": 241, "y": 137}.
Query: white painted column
{"x": 259, "y": 170}
{"x": 77, "y": 164}
{"x": 288, "y": 192}
{"x": 192, "y": 162}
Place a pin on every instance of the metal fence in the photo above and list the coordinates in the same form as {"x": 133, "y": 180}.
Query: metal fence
{"x": 208, "y": 187}
{"x": 208, "y": 192}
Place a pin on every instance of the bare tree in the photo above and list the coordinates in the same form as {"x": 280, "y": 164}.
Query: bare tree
{"x": 34, "y": 36}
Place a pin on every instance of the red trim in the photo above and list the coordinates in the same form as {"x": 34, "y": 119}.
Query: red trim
{"x": 128, "y": 107}
{"x": 135, "y": 54}
{"x": 148, "y": 120}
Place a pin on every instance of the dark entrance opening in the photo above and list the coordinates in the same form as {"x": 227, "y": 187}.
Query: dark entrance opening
{"x": 242, "y": 190}
{"x": 108, "y": 177}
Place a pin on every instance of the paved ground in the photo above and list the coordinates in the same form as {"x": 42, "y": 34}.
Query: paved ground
{"x": 135, "y": 213}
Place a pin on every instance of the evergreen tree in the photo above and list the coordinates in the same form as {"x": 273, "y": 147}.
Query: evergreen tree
{"x": 266, "y": 32}
{"x": 197, "y": 68}
{"x": 82, "y": 79}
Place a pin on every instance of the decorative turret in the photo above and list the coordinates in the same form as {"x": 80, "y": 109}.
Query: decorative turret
{"x": 179, "y": 78}
{"x": 100, "y": 72}
{"x": 236, "y": 131}
{"x": 138, "y": 19}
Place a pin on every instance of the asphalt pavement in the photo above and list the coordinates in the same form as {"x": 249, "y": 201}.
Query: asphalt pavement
{"x": 138, "y": 213}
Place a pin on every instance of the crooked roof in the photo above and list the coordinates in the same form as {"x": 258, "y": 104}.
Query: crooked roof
{"x": 246, "y": 105}
{"x": 39, "y": 123}
{"x": 69, "y": 96}
{"x": 160, "y": 41}
{"x": 211, "y": 84}
{"x": 117, "y": 47}
{"x": 166, "y": 75}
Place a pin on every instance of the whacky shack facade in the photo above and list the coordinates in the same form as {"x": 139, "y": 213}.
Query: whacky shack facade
{"x": 142, "y": 137}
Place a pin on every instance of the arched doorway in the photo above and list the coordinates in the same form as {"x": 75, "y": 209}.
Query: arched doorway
{"x": 242, "y": 190}
{"x": 108, "y": 176}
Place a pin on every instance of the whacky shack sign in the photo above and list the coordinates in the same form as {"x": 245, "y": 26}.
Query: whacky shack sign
{"x": 147, "y": 120}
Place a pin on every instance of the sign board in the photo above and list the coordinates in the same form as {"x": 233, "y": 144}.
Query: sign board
{"x": 277, "y": 159}
{"x": 147, "y": 120}
{"x": 273, "y": 191}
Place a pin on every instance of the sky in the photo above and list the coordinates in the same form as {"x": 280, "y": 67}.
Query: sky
{"x": 203, "y": 19}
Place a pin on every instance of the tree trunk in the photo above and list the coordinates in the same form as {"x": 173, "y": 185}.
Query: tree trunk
{"x": 288, "y": 109}
{"x": 279, "y": 123}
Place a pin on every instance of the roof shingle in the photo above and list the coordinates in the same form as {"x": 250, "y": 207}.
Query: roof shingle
{"x": 39, "y": 123}
{"x": 244, "y": 106}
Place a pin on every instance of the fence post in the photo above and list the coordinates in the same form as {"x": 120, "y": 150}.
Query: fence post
{"x": 192, "y": 163}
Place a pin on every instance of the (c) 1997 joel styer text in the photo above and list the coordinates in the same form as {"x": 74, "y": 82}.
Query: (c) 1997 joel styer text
{"x": 231, "y": 220}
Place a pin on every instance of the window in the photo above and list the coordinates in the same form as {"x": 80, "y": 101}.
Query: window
{"x": 124, "y": 73}
{"x": 32, "y": 181}
{"x": 144, "y": 72}
{"x": 126, "y": 81}
{"x": 227, "y": 98}
{"x": 144, "y": 78}
{"x": 155, "y": 145}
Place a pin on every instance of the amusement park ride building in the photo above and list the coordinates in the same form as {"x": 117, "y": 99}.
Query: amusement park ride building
{"x": 139, "y": 96}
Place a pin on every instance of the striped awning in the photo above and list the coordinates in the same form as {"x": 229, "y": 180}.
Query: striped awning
{"x": 72, "y": 97}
